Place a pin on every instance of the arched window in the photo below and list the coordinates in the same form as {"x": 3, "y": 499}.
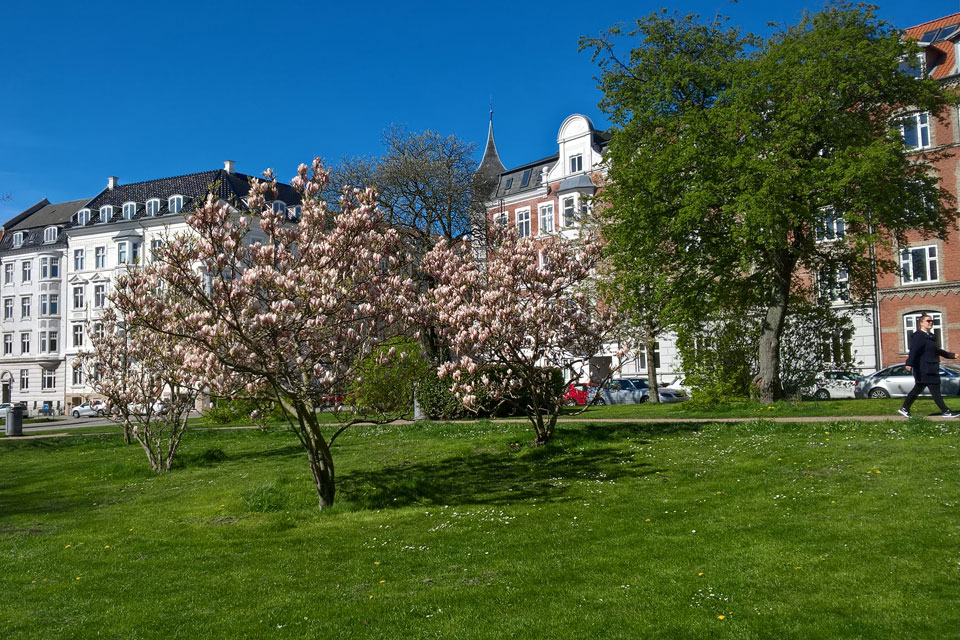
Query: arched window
{"x": 129, "y": 209}
{"x": 153, "y": 206}
{"x": 83, "y": 217}
{"x": 175, "y": 204}
{"x": 279, "y": 207}
{"x": 18, "y": 239}
{"x": 106, "y": 213}
{"x": 50, "y": 234}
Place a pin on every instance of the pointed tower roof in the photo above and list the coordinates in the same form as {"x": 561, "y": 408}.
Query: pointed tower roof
{"x": 491, "y": 166}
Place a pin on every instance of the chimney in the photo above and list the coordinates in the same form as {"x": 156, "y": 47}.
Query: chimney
{"x": 228, "y": 166}
{"x": 112, "y": 182}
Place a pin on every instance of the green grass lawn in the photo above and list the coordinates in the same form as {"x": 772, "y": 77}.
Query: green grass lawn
{"x": 836, "y": 530}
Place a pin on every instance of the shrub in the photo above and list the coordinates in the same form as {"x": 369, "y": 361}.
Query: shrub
{"x": 439, "y": 403}
{"x": 387, "y": 389}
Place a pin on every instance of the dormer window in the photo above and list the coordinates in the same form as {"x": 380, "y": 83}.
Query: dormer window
{"x": 153, "y": 207}
{"x": 175, "y": 204}
{"x": 129, "y": 209}
{"x": 50, "y": 234}
{"x": 576, "y": 163}
{"x": 293, "y": 213}
{"x": 83, "y": 217}
{"x": 18, "y": 239}
{"x": 912, "y": 65}
{"x": 106, "y": 213}
{"x": 279, "y": 207}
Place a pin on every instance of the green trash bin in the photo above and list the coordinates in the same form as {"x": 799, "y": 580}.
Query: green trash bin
{"x": 14, "y": 426}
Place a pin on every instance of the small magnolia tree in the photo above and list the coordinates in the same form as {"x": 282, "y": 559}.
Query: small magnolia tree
{"x": 280, "y": 308}
{"x": 134, "y": 368}
{"x": 523, "y": 308}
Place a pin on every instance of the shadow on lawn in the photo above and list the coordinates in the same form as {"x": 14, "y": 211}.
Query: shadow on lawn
{"x": 518, "y": 473}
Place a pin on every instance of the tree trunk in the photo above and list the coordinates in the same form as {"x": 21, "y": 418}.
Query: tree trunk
{"x": 652, "y": 368}
{"x": 768, "y": 354}
{"x": 318, "y": 455}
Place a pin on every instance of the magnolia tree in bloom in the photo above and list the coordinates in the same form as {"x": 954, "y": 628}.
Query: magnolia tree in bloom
{"x": 134, "y": 368}
{"x": 278, "y": 308}
{"x": 524, "y": 307}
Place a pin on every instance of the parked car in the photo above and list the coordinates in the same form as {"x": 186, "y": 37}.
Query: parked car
{"x": 896, "y": 382}
{"x": 620, "y": 391}
{"x": 577, "y": 394}
{"x": 6, "y": 405}
{"x": 679, "y": 384}
{"x": 85, "y": 410}
{"x": 666, "y": 393}
{"x": 832, "y": 384}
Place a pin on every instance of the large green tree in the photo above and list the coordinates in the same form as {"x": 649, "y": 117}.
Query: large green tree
{"x": 734, "y": 159}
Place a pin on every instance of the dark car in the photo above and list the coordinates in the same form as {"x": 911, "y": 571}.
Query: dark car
{"x": 896, "y": 382}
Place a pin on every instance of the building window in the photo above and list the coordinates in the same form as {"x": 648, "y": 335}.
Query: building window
{"x": 546, "y": 218}
{"x": 79, "y": 258}
{"x": 25, "y": 342}
{"x": 912, "y": 65}
{"x": 25, "y": 306}
{"x": 77, "y": 376}
{"x": 48, "y": 341}
{"x": 576, "y": 163}
{"x": 8, "y": 273}
{"x": 500, "y": 219}
{"x": 831, "y": 226}
{"x": 915, "y": 129}
{"x": 25, "y": 271}
{"x": 642, "y": 357}
{"x": 49, "y": 304}
{"x": 83, "y": 217}
{"x": 50, "y": 235}
{"x": 49, "y": 268}
{"x": 99, "y": 295}
{"x": 279, "y": 207}
{"x": 98, "y": 330}
{"x": 78, "y": 298}
{"x": 129, "y": 210}
{"x": 8, "y": 344}
{"x": 49, "y": 380}
{"x": 155, "y": 249}
{"x": 8, "y": 308}
{"x": 293, "y": 213}
{"x": 834, "y": 286}
{"x": 78, "y": 335}
{"x": 100, "y": 258}
{"x": 122, "y": 253}
{"x": 18, "y": 239}
{"x": 175, "y": 204}
{"x": 523, "y": 222}
{"x": 24, "y": 379}
{"x": 911, "y": 323}
{"x": 106, "y": 213}
{"x": 569, "y": 211}
{"x": 837, "y": 348}
{"x": 153, "y": 207}
{"x": 919, "y": 264}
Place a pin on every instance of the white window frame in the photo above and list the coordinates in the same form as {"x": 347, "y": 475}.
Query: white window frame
{"x": 175, "y": 204}
{"x": 546, "y": 215}
{"x": 8, "y": 273}
{"x": 18, "y": 239}
{"x": 100, "y": 258}
{"x": 78, "y": 297}
{"x": 522, "y": 218}
{"x": 501, "y": 219}
{"x": 279, "y": 206}
{"x": 26, "y": 302}
{"x": 569, "y": 212}
{"x": 50, "y": 235}
{"x": 48, "y": 381}
{"x": 576, "y": 163}
{"x": 99, "y": 295}
{"x": 834, "y": 287}
{"x": 83, "y": 217}
{"x": 24, "y": 379}
{"x": 106, "y": 213}
{"x": 79, "y": 259}
{"x": 8, "y": 308}
{"x": 831, "y": 227}
{"x": 8, "y": 344}
{"x": 77, "y": 377}
{"x": 26, "y": 270}
{"x": 919, "y": 123}
{"x": 930, "y": 257}
{"x": 153, "y": 207}
{"x": 25, "y": 339}
{"x": 77, "y": 335}
{"x": 129, "y": 210}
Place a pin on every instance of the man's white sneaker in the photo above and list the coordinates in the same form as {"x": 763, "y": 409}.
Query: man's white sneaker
{"x": 950, "y": 414}
{"x": 903, "y": 412}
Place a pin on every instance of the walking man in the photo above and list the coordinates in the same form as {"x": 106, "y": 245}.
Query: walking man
{"x": 924, "y": 361}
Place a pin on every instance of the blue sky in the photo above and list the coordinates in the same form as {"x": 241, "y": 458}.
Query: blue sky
{"x": 148, "y": 90}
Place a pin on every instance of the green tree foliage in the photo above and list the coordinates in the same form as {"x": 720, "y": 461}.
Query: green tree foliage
{"x": 731, "y": 156}
{"x": 388, "y": 388}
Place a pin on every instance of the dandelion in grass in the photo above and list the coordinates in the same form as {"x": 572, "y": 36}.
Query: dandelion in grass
{"x": 721, "y": 617}
{"x": 67, "y": 547}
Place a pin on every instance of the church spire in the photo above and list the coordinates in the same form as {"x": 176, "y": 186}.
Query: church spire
{"x": 490, "y": 165}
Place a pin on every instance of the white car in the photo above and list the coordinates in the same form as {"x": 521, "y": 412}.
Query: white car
{"x": 833, "y": 384}
{"x": 85, "y": 410}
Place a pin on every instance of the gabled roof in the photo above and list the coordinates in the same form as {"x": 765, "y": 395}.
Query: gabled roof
{"x": 937, "y": 38}
{"x": 34, "y": 220}
{"x": 194, "y": 187}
